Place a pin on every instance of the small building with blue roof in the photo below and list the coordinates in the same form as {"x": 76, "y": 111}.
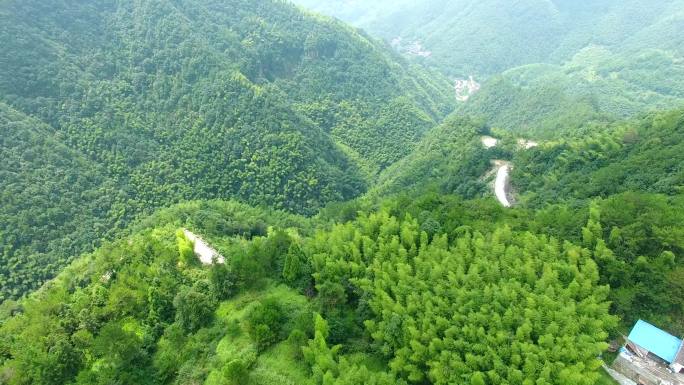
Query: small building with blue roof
{"x": 649, "y": 341}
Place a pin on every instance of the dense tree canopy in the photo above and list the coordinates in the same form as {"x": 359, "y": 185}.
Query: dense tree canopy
{"x": 395, "y": 305}
{"x": 640, "y": 155}
{"x": 360, "y": 241}
{"x": 498, "y": 308}
{"x": 150, "y": 103}
{"x": 578, "y": 97}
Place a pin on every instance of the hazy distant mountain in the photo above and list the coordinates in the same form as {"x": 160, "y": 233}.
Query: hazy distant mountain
{"x": 481, "y": 38}
{"x": 547, "y": 68}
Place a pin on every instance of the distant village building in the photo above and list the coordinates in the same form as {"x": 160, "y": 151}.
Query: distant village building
{"x": 465, "y": 88}
{"x": 652, "y": 356}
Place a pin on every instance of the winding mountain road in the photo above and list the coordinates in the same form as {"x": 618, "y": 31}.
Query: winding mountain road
{"x": 502, "y": 184}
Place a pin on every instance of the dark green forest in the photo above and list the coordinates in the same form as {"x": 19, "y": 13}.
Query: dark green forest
{"x": 353, "y": 199}
{"x": 158, "y": 102}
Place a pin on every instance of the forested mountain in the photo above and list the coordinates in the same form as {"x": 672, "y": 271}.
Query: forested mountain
{"x": 626, "y": 180}
{"x": 399, "y": 294}
{"x": 596, "y": 87}
{"x": 631, "y": 176}
{"x": 483, "y": 38}
{"x": 455, "y": 32}
{"x": 55, "y": 202}
{"x": 450, "y": 158}
{"x": 348, "y": 191}
{"x": 152, "y": 102}
{"x": 547, "y": 68}
{"x": 645, "y": 154}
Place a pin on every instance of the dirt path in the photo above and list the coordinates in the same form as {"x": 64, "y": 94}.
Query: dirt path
{"x": 527, "y": 144}
{"x": 204, "y": 252}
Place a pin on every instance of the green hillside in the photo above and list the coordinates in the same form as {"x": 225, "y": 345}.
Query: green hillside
{"x": 625, "y": 179}
{"x": 154, "y": 102}
{"x": 175, "y": 57}
{"x": 644, "y": 154}
{"x": 395, "y": 302}
{"x": 404, "y": 290}
{"x": 245, "y": 192}
{"x": 55, "y": 203}
{"x": 450, "y": 158}
{"x": 634, "y": 179}
{"x": 455, "y": 32}
{"x": 595, "y": 87}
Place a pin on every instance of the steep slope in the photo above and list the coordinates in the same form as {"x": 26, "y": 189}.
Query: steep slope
{"x": 453, "y": 158}
{"x": 463, "y": 37}
{"x": 634, "y": 176}
{"x": 307, "y": 301}
{"x": 646, "y": 155}
{"x": 626, "y": 180}
{"x": 449, "y": 158}
{"x": 643, "y": 154}
{"x": 55, "y": 202}
{"x": 167, "y": 101}
{"x": 160, "y": 51}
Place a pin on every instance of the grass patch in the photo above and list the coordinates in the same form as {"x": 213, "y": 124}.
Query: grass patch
{"x": 279, "y": 364}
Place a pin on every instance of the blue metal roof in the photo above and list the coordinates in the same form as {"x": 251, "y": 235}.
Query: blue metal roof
{"x": 656, "y": 341}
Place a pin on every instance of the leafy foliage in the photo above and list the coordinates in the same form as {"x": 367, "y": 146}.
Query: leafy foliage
{"x": 505, "y": 307}
{"x": 112, "y": 110}
{"x": 131, "y": 313}
{"x": 55, "y": 204}
{"x": 640, "y": 155}
{"x": 450, "y": 157}
{"x": 400, "y": 305}
{"x": 580, "y": 96}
